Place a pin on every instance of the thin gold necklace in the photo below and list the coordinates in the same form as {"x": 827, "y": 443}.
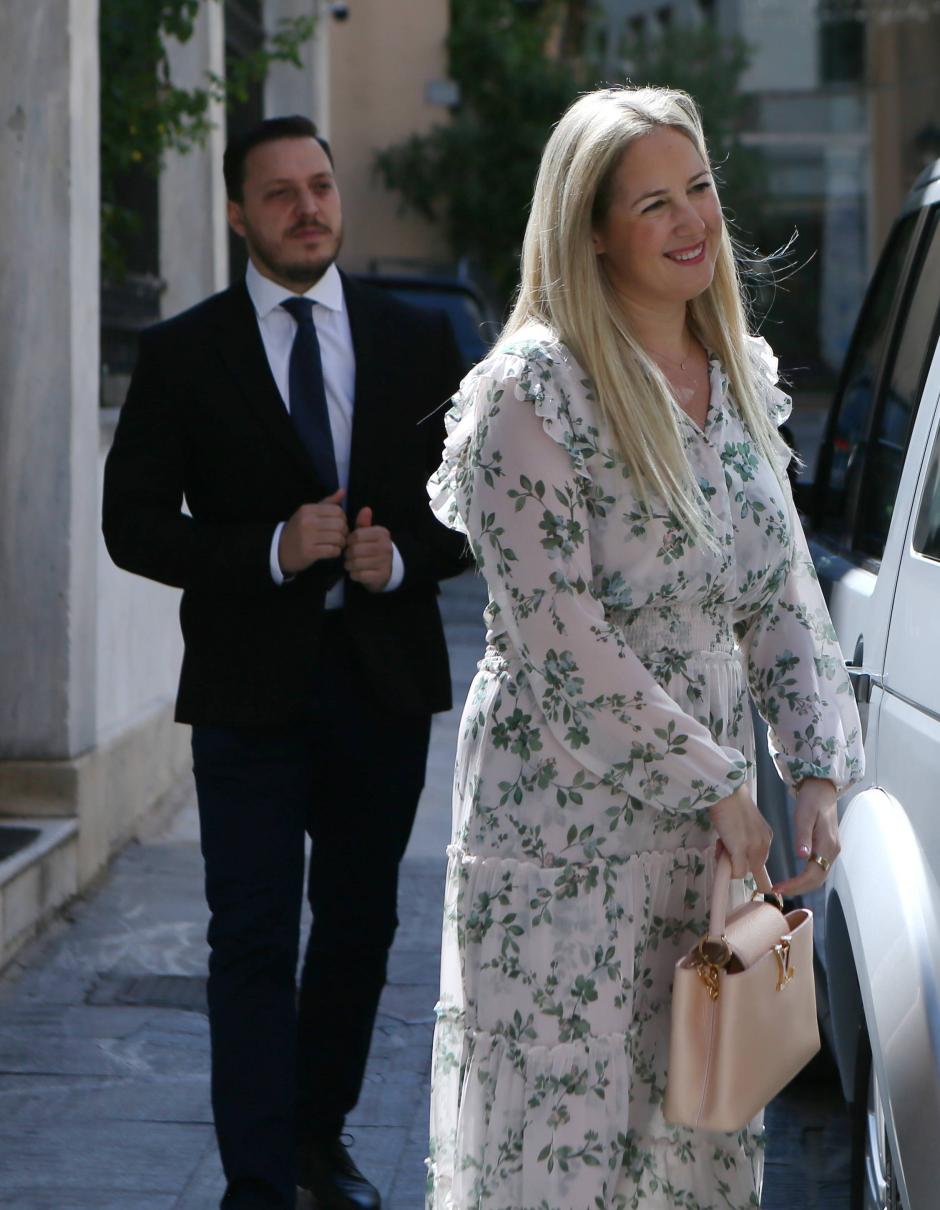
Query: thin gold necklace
{"x": 685, "y": 394}
{"x": 680, "y": 365}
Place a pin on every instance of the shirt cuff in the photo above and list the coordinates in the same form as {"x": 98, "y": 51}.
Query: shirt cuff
{"x": 398, "y": 571}
{"x": 394, "y": 580}
{"x": 276, "y": 574}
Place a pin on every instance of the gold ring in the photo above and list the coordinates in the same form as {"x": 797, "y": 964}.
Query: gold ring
{"x": 823, "y": 862}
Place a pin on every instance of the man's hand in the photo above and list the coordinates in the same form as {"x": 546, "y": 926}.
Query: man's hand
{"x": 369, "y": 553}
{"x": 315, "y": 531}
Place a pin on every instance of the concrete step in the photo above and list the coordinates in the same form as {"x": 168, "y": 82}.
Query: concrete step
{"x": 38, "y": 874}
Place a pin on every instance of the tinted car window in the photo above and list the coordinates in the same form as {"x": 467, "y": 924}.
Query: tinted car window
{"x": 462, "y": 310}
{"x": 843, "y": 455}
{"x": 898, "y": 406}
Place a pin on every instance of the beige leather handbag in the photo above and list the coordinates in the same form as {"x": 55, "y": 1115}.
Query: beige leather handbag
{"x": 743, "y": 1010}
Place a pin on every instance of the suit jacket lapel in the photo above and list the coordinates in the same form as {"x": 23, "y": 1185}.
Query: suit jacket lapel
{"x": 242, "y": 350}
{"x": 367, "y": 425}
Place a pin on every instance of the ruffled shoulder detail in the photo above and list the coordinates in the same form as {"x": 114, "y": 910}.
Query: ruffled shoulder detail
{"x": 539, "y": 370}
{"x": 778, "y": 403}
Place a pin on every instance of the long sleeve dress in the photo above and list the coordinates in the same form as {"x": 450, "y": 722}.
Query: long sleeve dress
{"x": 609, "y": 711}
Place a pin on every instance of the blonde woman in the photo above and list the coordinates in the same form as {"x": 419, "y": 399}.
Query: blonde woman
{"x": 616, "y": 465}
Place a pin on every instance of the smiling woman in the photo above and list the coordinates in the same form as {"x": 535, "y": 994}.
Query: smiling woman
{"x": 677, "y": 222}
{"x": 659, "y": 239}
{"x": 615, "y": 465}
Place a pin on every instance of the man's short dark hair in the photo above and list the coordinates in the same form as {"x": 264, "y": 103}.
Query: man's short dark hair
{"x": 294, "y": 126}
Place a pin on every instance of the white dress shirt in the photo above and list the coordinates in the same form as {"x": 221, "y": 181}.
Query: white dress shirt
{"x": 278, "y": 328}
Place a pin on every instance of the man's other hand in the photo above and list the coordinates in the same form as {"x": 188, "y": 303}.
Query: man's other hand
{"x": 369, "y": 553}
{"x": 314, "y": 532}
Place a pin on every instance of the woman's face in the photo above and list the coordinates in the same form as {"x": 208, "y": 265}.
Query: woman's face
{"x": 659, "y": 239}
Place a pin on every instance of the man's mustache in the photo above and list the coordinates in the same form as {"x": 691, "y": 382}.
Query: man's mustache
{"x": 303, "y": 228}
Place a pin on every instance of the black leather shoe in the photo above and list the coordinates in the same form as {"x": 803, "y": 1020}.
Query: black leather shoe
{"x": 326, "y": 1169}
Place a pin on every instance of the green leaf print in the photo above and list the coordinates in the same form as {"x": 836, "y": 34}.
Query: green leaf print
{"x": 610, "y": 713}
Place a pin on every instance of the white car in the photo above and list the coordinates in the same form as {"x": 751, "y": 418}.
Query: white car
{"x": 873, "y": 518}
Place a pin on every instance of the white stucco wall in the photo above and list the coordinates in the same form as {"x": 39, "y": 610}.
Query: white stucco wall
{"x": 139, "y": 644}
{"x": 306, "y": 91}
{"x": 49, "y": 355}
{"x": 193, "y": 228}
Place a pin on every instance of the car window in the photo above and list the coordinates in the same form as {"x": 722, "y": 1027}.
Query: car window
{"x": 927, "y": 526}
{"x": 465, "y": 316}
{"x": 843, "y": 453}
{"x": 898, "y": 405}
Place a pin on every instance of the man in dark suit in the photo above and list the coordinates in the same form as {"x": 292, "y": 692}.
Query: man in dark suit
{"x": 289, "y": 413}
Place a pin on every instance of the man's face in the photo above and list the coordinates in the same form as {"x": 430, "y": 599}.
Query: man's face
{"x": 290, "y": 213}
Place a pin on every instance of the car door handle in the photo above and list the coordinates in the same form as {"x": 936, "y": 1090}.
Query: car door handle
{"x": 862, "y": 682}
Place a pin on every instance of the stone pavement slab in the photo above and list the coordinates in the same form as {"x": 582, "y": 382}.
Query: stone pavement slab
{"x": 104, "y": 1042}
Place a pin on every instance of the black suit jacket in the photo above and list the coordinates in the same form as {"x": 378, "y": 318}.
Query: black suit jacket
{"x": 204, "y": 421}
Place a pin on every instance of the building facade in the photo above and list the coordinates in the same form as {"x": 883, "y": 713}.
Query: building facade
{"x": 843, "y": 110}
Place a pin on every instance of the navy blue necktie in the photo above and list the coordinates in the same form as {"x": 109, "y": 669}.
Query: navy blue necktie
{"x": 308, "y": 409}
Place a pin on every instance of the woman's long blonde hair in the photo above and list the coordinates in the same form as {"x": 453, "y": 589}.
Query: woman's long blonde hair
{"x": 565, "y": 287}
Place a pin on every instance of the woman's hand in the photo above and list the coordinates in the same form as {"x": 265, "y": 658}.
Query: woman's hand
{"x": 743, "y": 832}
{"x": 816, "y": 822}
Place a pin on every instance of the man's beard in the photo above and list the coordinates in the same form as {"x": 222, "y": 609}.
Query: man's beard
{"x": 300, "y": 273}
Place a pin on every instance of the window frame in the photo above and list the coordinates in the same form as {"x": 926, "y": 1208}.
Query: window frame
{"x": 929, "y": 486}
{"x": 919, "y": 543}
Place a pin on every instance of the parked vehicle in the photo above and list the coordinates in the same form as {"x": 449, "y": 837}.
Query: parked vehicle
{"x": 475, "y": 327}
{"x": 873, "y": 519}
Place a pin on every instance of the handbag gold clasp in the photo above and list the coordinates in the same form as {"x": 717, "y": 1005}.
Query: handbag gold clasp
{"x": 713, "y": 954}
{"x": 784, "y": 969}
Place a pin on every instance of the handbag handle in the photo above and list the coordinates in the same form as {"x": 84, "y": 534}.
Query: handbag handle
{"x": 721, "y": 888}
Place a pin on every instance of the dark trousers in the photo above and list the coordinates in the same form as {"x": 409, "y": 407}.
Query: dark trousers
{"x": 286, "y": 1066}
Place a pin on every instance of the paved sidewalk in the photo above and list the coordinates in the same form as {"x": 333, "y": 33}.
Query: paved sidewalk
{"x": 104, "y": 1042}
{"x": 104, "y": 1077}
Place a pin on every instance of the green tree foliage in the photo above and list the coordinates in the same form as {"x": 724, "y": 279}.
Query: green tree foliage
{"x": 144, "y": 113}
{"x": 475, "y": 173}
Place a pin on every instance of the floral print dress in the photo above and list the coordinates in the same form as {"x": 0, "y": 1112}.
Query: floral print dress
{"x": 609, "y": 711}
